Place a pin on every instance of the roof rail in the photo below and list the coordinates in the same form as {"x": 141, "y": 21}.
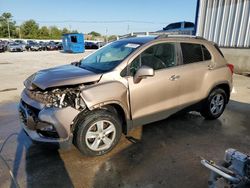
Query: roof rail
{"x": 180, "y": 36}
{"x": 159, "y": 35}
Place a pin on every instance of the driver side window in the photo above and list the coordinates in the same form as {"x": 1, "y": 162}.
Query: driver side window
{"x": 158, "y": 57}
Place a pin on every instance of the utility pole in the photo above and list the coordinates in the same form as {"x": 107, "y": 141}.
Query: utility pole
{"x": 128, "y": 28}
{"x": 106, "y": 35}
{"x": 19, "y": 32}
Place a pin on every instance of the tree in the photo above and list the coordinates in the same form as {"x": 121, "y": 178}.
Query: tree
{"x": 30, "y": 29}
{"x": 65, "y": 30}
{"x": 43, "y": 32}
{"x": 94, "y": 34}
{"x": 74, "y": 31}
{"x": 6, "y": 25}
{"x": 112, "y": 38}
{"x": 55, "y": 33}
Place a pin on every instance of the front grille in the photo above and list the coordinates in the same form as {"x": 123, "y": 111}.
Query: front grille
{"x": 23, "y": 116}
{"x": 31, "y": 109}
{"x": 26, "y": 111}
{"x": 48, "y": 134}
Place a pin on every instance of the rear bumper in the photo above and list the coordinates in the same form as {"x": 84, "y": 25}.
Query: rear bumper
{"x": 51, "y": 125}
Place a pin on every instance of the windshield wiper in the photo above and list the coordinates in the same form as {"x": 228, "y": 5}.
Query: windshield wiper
{"x": 90, "y": 68}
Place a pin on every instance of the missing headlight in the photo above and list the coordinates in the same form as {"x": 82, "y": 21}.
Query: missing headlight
{"x": 60, "y": 97}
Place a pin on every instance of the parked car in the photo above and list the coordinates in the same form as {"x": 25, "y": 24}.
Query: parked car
{"x": 184, "y": 28}
{"x": 29, "y": 44}
{"x": 90, "y": 45}
{"x": 100, "y": 44}
{"x": 51, "y": 46}
{"x": 15, "y": 47}
{"x": 22, "y": 43}
{"x": 42, "y": 45}
{"x": 35, "y": 46}
{"x": 59, "y": 45}
{"x": 127, "y": 83}
{"x": 2, "y": 46}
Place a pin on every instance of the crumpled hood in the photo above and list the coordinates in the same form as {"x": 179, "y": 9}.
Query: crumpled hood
{"x": 60, "y": 76}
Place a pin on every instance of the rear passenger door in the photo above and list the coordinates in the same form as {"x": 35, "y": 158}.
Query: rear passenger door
{"x": 196, "y": 61}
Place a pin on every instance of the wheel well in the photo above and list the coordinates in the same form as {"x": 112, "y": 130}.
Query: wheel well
{"x": 114, "y": 108}
{"x": 226, "y": 88}
{"x": 117, "y": 109}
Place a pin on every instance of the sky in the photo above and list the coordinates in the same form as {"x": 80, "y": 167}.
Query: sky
{"x": 103, "y": 16}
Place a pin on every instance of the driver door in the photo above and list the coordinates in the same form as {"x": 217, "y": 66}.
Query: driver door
{"x": 155, "y": 98}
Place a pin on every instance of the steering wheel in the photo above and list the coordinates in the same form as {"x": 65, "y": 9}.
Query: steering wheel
{"x": 159, "y": 61}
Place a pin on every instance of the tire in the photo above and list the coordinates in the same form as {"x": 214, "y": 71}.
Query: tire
{"x": 215, "y": 104}
{"x": 99, "y": 142}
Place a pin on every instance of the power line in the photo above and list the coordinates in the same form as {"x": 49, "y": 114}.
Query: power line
{"x": 97, "y": 22}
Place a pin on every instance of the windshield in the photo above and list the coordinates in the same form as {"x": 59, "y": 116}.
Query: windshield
{"x": 14, "y": 44}
{"x": 108, "y": 57}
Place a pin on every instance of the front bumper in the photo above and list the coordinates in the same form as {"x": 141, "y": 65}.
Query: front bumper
{"x": 44, "y": 124}
{"x": 15, "y": 49}
{"x": 34, "y": 48}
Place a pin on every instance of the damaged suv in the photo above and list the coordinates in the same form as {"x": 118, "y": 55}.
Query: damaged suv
{"x": 130, "y": 82}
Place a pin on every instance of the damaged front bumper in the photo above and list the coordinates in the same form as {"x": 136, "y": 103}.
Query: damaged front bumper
{"x": 44, "y": 124}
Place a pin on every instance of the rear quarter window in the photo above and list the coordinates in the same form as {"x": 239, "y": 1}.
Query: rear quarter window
{"x": 206, "y": 53}
{"x": 188, "y": 25}
{"x": 191, "y": 53}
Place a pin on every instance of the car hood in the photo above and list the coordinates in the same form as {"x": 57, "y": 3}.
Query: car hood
{"x": 60, "y": 76}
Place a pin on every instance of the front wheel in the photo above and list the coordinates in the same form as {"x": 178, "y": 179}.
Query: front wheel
{"x": 97, "y": 133}
{"x": 215, "y": 104}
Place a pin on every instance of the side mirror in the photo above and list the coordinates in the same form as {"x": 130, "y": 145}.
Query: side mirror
{"x": 142, "y": 73}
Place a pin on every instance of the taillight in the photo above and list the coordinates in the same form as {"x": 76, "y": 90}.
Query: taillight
{"x": 231, "y": 67}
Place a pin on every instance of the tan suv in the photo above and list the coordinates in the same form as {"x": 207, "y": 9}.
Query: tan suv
{"x": 127, "y": 83}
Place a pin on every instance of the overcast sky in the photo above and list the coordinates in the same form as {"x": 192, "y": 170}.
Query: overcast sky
{"x": 111, "y": 16}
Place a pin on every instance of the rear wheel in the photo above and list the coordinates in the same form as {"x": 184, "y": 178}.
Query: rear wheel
{"x": 215, "y": 104}
{"x": 97, "y": 133}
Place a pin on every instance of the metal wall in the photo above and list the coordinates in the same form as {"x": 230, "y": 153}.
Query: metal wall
{"x": 226, "y": 22}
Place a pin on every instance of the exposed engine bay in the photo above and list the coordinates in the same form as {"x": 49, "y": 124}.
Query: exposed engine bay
{"x": 59, "y": 97}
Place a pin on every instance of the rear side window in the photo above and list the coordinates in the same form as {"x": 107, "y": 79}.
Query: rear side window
{"x": 173, "y": 26}
{"x": 191, "y": 53}
{"x": 188, "y": 25}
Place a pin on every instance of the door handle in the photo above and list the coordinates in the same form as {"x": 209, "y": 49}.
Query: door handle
{"x": 174, "y": 77}
{"x": 210, "y": 67}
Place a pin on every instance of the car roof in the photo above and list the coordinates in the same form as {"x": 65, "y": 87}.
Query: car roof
{"x": 170, "y": 38}
{"x": 139, "y": 40}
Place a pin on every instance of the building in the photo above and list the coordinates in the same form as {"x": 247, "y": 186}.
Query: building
{"x": 226, "y": 22}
